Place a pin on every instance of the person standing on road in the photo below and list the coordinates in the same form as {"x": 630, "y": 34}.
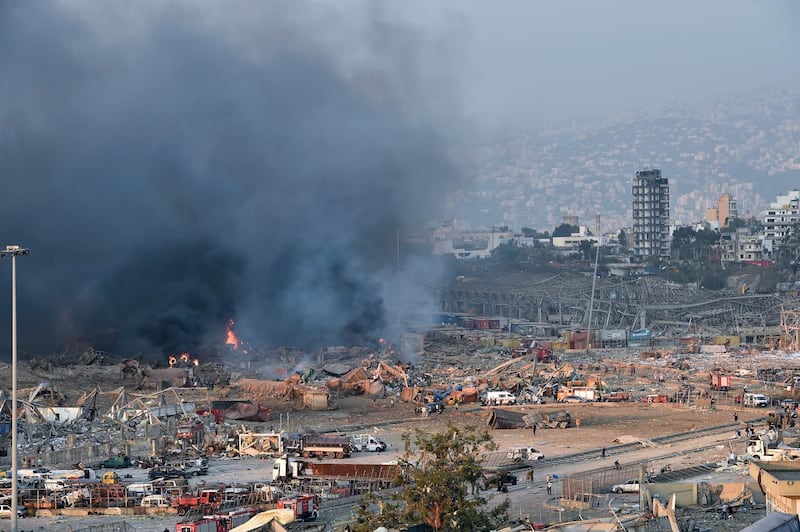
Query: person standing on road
{"x": 603, "y": 453}
{"x": 736, "y": 417}
{"x": 534, "y": 429}
{"x": 549, "y": 487}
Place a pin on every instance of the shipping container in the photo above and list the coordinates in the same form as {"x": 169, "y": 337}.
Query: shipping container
{"x": 640, "y": 338}
{"x": 610, "y": 338}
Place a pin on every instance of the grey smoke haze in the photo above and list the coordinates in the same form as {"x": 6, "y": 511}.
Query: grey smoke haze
{"x": 173, "y": 166}
{"x": 176, "y": 164}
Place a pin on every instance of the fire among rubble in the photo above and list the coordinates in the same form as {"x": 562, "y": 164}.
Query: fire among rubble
{"x": 230, "y": 338}
{"x": 184, "y": 359}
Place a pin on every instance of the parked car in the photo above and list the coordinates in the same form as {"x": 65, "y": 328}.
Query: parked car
{"x": 166, "y": 472}
{"x": 5, "y": 511}
{"x": 572, "y": 399}
{"x": 629, "y": 486}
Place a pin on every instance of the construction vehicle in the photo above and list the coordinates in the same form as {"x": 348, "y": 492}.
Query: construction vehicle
{"x": 367, "y": 442}
{"x": 719, "y": 381}
{"x": 305, "y": 507}
{"x": 110, "y": 477}
{"x": 208, "y": 500}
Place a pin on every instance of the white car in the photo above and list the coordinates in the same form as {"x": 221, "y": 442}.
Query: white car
{"x": 629, "y": 486}
{"x": 5, "y": 512}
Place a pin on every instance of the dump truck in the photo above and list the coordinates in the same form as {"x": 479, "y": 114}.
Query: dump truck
{"x": 319, "y": 445}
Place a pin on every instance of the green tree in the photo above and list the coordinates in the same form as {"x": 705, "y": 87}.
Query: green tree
{"x": 586, "y": 247}
{"x": 443, "y": 469}
{"x": 689, "y": 244}
{"x": 623, "y": 239}
{"x": 529, "y": 232}
{"x": 565, "y": 230}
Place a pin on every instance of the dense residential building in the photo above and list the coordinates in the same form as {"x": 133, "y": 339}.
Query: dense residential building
{"x": 722, "y": 214}
{"x": 741, "y": 246}
{"x": 574, "y": 240}
{"x": 651, "y": 227}
{"x": 782, "y": 214}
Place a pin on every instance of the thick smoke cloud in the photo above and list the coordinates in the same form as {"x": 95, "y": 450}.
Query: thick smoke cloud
{"x": 172, "y": 167}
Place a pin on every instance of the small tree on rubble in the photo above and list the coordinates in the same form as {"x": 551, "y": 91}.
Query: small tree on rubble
{"x": 443, "y": 475}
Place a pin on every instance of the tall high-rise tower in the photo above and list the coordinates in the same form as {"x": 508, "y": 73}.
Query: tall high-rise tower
{"x": 651, "y": 235}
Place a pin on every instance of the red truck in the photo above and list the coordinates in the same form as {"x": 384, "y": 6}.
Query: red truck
{"x": 719, "y": 381}
{"x": 221, "y": 522}
{"x": 305, "y": 507}
{"x": 207, "y": 499}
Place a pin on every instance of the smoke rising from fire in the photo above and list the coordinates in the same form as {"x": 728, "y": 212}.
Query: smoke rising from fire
{"x": 175, "y": 166}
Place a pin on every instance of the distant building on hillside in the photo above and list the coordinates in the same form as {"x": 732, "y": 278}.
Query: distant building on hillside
{"x": 724, "y": 212}
{"x": 651, "y": 229}
{"x": 781, "y": 216}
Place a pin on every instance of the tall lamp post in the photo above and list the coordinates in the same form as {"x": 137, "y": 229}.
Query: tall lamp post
{"x": 14, "y": 251}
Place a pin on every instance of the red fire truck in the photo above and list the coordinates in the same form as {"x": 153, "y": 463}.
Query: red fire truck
{"x": 305, "y": 507}
{"x": 218, "y": 522}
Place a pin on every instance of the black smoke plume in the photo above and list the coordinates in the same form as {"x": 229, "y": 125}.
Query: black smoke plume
{"x": 172, "y": 167}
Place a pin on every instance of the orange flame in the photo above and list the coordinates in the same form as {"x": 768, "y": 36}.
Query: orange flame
{"x": 172, "y": 361}
{"x": 230, "y": 338}
{"x": 185, "y": 358}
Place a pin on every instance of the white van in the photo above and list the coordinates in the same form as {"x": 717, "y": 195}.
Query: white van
{"x": 756, "y": 400}
{"x": 499, "y": 398}
{"x": 155, "y": 501}
{"x": 368, "y": 442}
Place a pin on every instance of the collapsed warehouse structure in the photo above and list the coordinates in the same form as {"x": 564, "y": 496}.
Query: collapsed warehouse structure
{"x": 567, "y": 299}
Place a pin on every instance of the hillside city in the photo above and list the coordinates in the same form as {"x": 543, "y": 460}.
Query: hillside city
{"x": 747, "y": 145}
{"x": 730, "y": 167}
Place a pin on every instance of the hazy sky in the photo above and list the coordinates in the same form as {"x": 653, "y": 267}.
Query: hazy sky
{"x": 518, "y": 62}
{"x": 177, "y": 164}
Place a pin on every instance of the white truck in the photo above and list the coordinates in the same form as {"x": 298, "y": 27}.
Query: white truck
{"x": 769, "y": 446}
{"x": 368, "y": 442}
{"x": 499, "y": 398}
{"x": 524, "y": 453}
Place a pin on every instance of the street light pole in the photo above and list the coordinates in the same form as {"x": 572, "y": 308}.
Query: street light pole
{"x": 14, "y": 251}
